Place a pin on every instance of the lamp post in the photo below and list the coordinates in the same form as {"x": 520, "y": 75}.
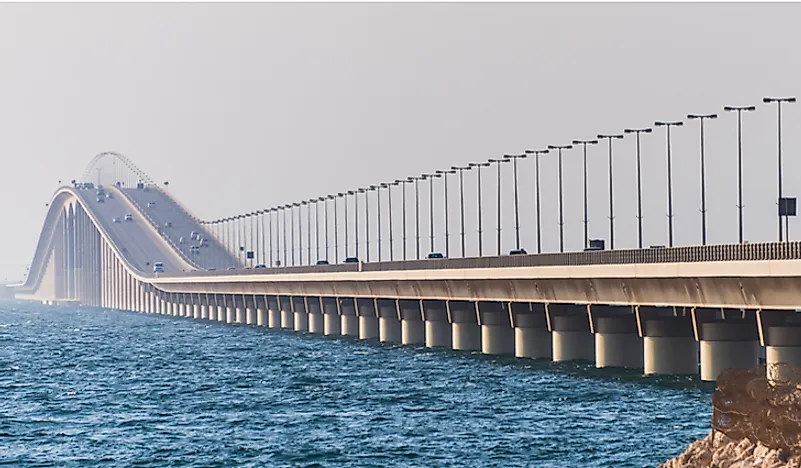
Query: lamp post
{"x": 307, "y": 204}
{"x": 417, "y": 211}
{"x": 461, "y": 170}
{"x": 740, "y": 110}
{"x": 637, "y": 132}
{"x": 667, "y": 126}
{"x": 514, "y": 158}
{"x": 498, "y": 163}
{"x": 291, "y": 207}
{"x": 366, "y": 192}
{"x": 356, "y": 218}
{"x": 701, "y": 118}
{"x": 403, "y": 195}
{"x": 611, "y": 191}
{"x": 561, "y": 205}
{"x": 537, "y": 154}
{"x": 584, "y": 143}
{"x": 430, "y": 178}
{"x": 478, "y": 167}
{"x": 444, "y": 175}
{"x": 286, "y": 253}
{"x": 779, "y": 102}
{"x": 350, "y": 192}
{"x": 325, "y": 220}
{"x": 270, "y": 236}
{"x": 336, "y": 226}
{"x": 377, "y": 189}
{"x": 387, "y": 186}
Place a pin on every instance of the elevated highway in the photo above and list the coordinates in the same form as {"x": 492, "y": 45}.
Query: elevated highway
{"x": 663, "y": 310}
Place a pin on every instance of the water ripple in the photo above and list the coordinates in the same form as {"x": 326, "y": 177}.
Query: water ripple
{"x": 89, "y": 387}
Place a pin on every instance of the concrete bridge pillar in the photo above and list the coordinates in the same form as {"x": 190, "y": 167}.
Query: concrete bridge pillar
{"x": 497, "y": 334}
{"x": 287, "y": 315}
{"x": 532, "y": 338}
{"x": 669, "y": 346}
{"x": 301, "y": 316}
{"x": 219, "y": 299}
{"x": 195, "y": 300}
{"x": 273, "y": 312}
{"x": 726, "y": 343}
{"x": 368, "y": 319}
{"x": 780, "y": 334}
{"x": 412, "y": 325}
{"x": 617, "y": 341}
{"x": 260, "y": 303}
{"x": 316, "y": 318}
{"x": 211, "y": 302}
{"x": 203, "y": 299}
{"x": 332, "y": 325}
{"x": 570, "y": 333}
{"x": 465, "y": 330}
{"x": 438, "y": 329}
{"x": 250, "y": 309}
{"x": 240, "y": 310}
{"x": 389, "y": 326}
{"x": 230, "y": 309}
{"x": 347, "y": 315}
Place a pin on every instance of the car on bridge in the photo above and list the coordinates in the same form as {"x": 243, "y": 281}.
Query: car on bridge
{"x": 194, "y": 249}
{"x": 168, "y": 224}
{"x": 117, "y": 219}
{"x": 129, "y": 217}
{"x": 158, "y": 267}
{"x": 260, "y": 266}
{"x": 322, "y": 262}
{"x": 352, "y": 260}
{"x": 193, "y": 235}
{"x": 151, "y": 204}
{"x": 204, "y": 243}
{"x": 109, "y": 195}
{"x": 435, "y": 255}
{"x": 101, "y": 199}
{"x": 518, "y": 252}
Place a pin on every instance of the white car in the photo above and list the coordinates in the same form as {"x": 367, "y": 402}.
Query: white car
{"x": 158, "y": 267}
{"x": 117, "y": 219}
{"x": 129, "y": 217}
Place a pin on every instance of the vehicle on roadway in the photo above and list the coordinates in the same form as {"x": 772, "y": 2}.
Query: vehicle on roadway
{"x": 129, "y": 217}
{"x": 231, "y": 268}
{"x": 101, "y": 199}
{"x": 117, "y": 219}
{"x": 352, "y": 260}
{"x": 518, "y": 252}
{"x": 194, "y": 249}
{"x": 260, "y": 266}
{"x": 193, "y": 235}
{"x": 151, "y": 204}
{"x": 322, "y": 262}
{"x": 168, "y": 224}
{"x": 435, "y": 255}
{"x": 158, "y": 267}
{"x": 204, "y": 243}
{"x": 109, "y": 195}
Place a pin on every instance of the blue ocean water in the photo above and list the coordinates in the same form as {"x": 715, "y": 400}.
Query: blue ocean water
{"x": 92, "y": 387}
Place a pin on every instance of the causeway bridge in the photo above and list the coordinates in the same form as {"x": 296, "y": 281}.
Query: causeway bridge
{"x": 692, "y": 310}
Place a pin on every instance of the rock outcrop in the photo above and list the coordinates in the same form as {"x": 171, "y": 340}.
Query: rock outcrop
{"x": 717, "y": 450}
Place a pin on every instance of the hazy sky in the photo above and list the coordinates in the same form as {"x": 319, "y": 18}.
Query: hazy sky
{"x": 247, "y": 106}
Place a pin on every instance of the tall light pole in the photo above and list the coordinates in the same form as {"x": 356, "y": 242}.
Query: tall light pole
{"x": 609, "y": 138}
{"x": 286, "y": 253}
{"x": 498, "y": 163}
{"x": 430, "y": 178}
{"x": 325, "y": 220}
{"x": 291, "y": 207}
{"x": 388, "y": 186}
{"x": 270, "y": 237}
{"x": 366, "y": 192}
{"x": 308, "y": 203}
{"x": 701, "y": 118}
{"x": 461, "y": 170}
{"x": 377, "y": 189}
{"x": 637, "y": 132}
{"x": 336, "y": 225}
{"x": 444, "y": 175}
{"x": 514, "y": 158}
{"x": 667, "y": 126}
{"x": 779, "y": 102}
{"x": 740, "y": 110}
{"x": 584, "y": 143}
{"x": 561, "y": 189}
{"x": 356, "y": 218}
{"x": 345, "y": 198}
{"x": 417, "y": 211}
{"x": 403, "y": 214}
{"x": 537, "y": 154}
{"x": 478, "y": 167}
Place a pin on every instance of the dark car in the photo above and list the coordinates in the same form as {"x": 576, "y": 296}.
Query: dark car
{"x": 322, "y": 262}
{"x": 260, "y": 265}
{"x": 435, "y": 255}
{"x": 352, "y": 260}
{"x": 518, "y": 252}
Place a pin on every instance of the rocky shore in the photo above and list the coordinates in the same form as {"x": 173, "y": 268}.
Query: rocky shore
{"x": 719, "y": 451}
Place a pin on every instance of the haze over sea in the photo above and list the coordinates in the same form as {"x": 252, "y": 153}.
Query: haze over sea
{"x": 93, "y": 387}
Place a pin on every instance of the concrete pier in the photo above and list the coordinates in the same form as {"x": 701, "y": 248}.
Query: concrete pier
{"x": 497, "y": 334}
{"x": 389, "y": 326}
{"x": 348, "y": 319}
{"x": 727, "y": 344}
{"x": 287, "y": 315}
{"x": 617, "y": 341}
{"x": 464, "y": 326}
{"x": 316, "y": 317}
{"x": 368, "y": 319}
{"x": 301, "y": 318}
{"x": 532, "y": 338}
{"x": 230, "y": 315}
{"x": 669, "y": 347}
{"x": 437, "y": 327}
{"x": 241, "y": 318}
{"x": 412, "y": 325}
{"x": 221, "y": 313}
{"x": 570, "y": 333}
{"x": 332, "y": 324}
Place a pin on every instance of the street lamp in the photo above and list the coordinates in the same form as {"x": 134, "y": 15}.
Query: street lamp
{"x": 740, "y": 110}
{"x": 537, "y": 154}
{"x": 461, "y": 170}
{"x": 388, "y": 186}
{"x": 498, "y": 163}
{"x": 430, "y": 178}
{"x": 377, "y": 189}
{"x": 478, "y": 167}
{"x": 637, "y": 132}
{"x": 561, "y": 206}
{"x": 584, "y": 143}
{"x": 701, "y": 118}
{"x": 609, "y": 138}
{"x": 667, "y": 126}
{"x": 444, "y": 175}
{"x": 514, "y": 158}
{"x": 779, "y": 102}
{"x": 403, "y": 195}
{"x": 417, "y": 210}
{"x": 356, "y": 217}
{"x": 349, "y": 192}
{"x": 307, "y": 204}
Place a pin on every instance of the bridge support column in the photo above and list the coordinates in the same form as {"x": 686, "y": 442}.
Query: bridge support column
{"x": 780, "y": 334}
{"x": 230, "y": 309}
{"x": 368, "y": 319}
{"x": 438, "y": 329}
{"x": 389, "y": 326}
{"x": 273, "y": 312}
{"x": 348, "y": 318}
{"x": 287, "y": 316}
{"x": 465, "y": 330}
{"x": 532, "y": 338}
{"x": 412, "y": 325}
{"x": 301, "y": 316}
{"x": 332, "y": 325}
{"x": 221, "y": 311}
{"x": 316, "y": 317}
{"x": 204, "y": 307}
{"x": 261, "y": 310}
{"x": 669, "y": 347}
{"x": 195, "y": 307}
{"x": 250, "y": 309}
{"x": 497, "y": 334}
{"x": 727, "y": 344}
{"x": 570, "y": 333}
{"x": 163, "y": 307}
{"x": 617, "y": 342}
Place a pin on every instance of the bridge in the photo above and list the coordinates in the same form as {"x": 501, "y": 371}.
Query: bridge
{"x": 671, "y": 310}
